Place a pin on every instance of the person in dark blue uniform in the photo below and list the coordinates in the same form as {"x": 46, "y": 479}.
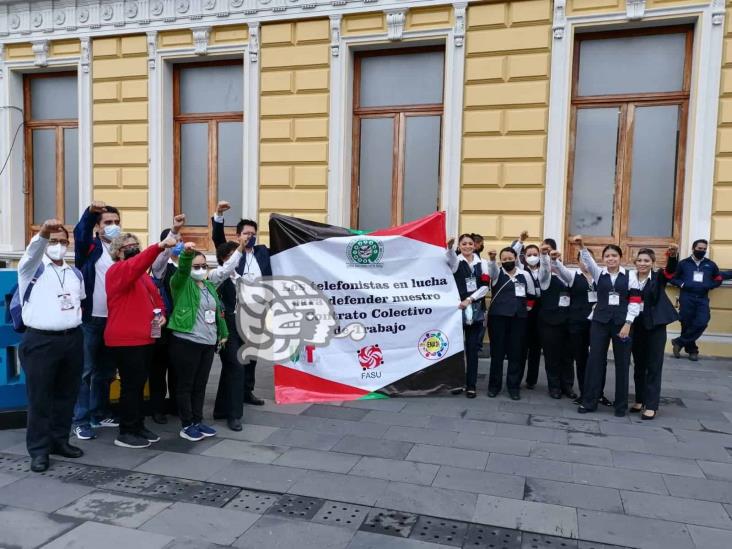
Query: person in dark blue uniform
{"x": 512, "y": 299}
{"x": 695, "y": 275}
{"x": 618, "y": 303}
{"x": 649, "y": 328}
{"x": 471, "y": 278}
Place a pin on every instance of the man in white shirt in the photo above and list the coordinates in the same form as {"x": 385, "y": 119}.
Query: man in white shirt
{"x": 51, "y": 351}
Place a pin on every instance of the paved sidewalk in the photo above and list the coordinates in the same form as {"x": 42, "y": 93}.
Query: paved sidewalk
{"x": 419, "y": 473}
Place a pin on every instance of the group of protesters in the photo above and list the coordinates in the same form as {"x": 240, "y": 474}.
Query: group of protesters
{"x": 160, "y": 314}
{"x": 538, "y": 305}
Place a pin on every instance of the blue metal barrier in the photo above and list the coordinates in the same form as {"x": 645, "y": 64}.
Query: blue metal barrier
{"x": 12, "y": 379}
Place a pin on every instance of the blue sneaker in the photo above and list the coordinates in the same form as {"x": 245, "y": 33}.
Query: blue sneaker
{"x": 191, "y": 433}
{"x": 206, "y": 430}
{"x": 84, "y": 432}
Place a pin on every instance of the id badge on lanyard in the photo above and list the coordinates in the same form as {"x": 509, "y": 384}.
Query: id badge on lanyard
{"x": 209, "y": 316}
{"x": 591, "y": 296}
{"x": 698, "y": 276}
{"x": 564, "y": 299}
{"x": 471, "y": 284}
{"x": 520, "y": 289}
{"x": 613, "y": 299}
{"x": 65, "y": 302}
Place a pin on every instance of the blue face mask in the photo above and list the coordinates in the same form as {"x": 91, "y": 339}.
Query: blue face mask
{"x": 252, "y": 241}
{"x": 177, "y": 249}
{"x": 112, "y": 231}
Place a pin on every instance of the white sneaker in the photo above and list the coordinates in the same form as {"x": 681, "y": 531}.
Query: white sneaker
{"x": 106, "y": 422}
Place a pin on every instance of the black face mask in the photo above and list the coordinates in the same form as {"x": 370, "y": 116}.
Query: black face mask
{"x": 130, "y": 252}
{"x": 699, "y": 254}
{"x": 508, "y": 266}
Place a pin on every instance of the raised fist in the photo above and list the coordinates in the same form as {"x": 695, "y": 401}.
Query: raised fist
{"x": 545, "y": 249}
{"x": 178, "y": 222}
{"x": 492, "y": 255}
{"x": 97, "y": 207}
{"x": 524, "y": 235}
{"x": 51, "y": 226}
{"x": 450, "y": 243}
{"x": 169, "y": 242}
{"x": 555, "y": 255}
{"x": 222, "y": 206}
{"x": 189, "y": 246}
{"x": 577, "y": 240}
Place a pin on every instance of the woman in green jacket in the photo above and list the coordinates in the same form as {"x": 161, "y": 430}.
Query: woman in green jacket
{"x": 198, "y": 328}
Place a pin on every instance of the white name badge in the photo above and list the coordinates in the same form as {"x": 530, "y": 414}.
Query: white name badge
{"x": 591, "y": 296}
{"x": 209, "y": 316}
{"x": 613, "y": 298}
{"x": 65, "y": 302}
{"x": 564, "y": 300}
{"x": 698, "y": 276}
{"x": 642, "y": 306}
{"x": 520, "y": 289}
{"x": 471, "y": 284}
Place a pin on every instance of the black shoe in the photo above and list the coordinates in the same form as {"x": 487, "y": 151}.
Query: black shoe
{"x": 148, "y": 435}
{"x": 130, "y": 440}
{"x": 515, "y": 396}
{"x": 39, "y": 464}
{"x": 234, "y": 424}
{"x": 160, "y": 419}
{"x": 470, "y": 393}
{"x": 619, "y": 413}
{"x": 633, "y": 410}
{"x": 555, "y": 394}
{"x": 605, "y": 401}
{"x": 694, "y": 357}
{"x": 530, "y": 387}
{"x": 569, "y": 393}
{"x": 577, "y": 400}
{"x": 251, "y": 398}
{"x": 676, "y": 349}
{"x": 647, "y": 417}
{"x": 66, "y": 450}
{"x": 492, "y": 394}
{"x": 583, "y": 410}
{"x": 457, "y": 390}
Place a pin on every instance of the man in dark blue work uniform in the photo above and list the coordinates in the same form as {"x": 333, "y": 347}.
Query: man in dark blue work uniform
{"x": 695, "y": 275}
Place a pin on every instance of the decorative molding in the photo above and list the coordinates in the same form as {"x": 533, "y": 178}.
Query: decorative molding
{"x": 85, "y": 57}
{"x": 40, "y": 52}
{"x": 718, "y": 12}
{"x": 152, "y": 48}
{"x": 560, "y": 19}
{"x": 201, "y": 37}
{"x": 635, "y": 9}
{"x": 253, "y": 42}
{"x": 458, "y": 32}
{"x": 335, "y": 34}
{"x": 2, "y": 60}
{"x": 395, "y": 23}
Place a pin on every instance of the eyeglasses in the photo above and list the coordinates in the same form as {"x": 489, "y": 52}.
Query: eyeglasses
{"x": 130, "y": 245}
{"x": 53, "y": 242}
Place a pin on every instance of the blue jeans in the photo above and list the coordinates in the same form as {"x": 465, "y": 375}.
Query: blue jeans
{"x": 93, "y": 401}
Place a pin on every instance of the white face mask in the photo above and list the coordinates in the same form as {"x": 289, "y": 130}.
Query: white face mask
{"x": 199, "y": 275}
{"x": 56, "y": 252}
{"x": 112, "y": 231}
{"x": 532, "y": 260}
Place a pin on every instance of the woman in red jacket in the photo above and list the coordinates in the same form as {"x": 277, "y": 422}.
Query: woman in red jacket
{"x": 132, "y": 301}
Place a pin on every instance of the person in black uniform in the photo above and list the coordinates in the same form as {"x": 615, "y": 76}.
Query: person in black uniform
{"x": 582, "y": 298}
{"x": 649, "y": 328}
{"x": 471, "y": 278}
{"x": 513, "y": 297}
{"x": 618, "y": 303}
{"x": 553, "y": 324}
{"x": 532, "y": 347}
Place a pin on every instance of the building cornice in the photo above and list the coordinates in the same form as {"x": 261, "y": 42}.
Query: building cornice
{"x": 57, "y": 19}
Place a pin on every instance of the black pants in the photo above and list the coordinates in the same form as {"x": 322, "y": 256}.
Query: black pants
{"x": 694, "y": 315}
{"x": 193, "y": 364}
{"x": 230, "y": 394}
{"x": 162, "y": 376}
{"x": 133, "y": 364}
{"x": 579, "y": 346}
{"x": 473, "y": 333}
{"x": 532, "y": 348}
{"x": 559, "y": 371}
{"x": 53, "y": 366}
{"x": 507, "y": 335}
{"x": 600, "y": 336}
{"x": 648, "y": 349}
{"x": 249, "y": 379}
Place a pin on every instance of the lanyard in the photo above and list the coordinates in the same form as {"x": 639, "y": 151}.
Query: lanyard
{"x": 205, "y": 294}
{"x": 248, "y": 261}
{"x": 60, "y": 281}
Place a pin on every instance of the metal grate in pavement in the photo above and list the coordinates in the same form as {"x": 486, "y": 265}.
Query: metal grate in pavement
{"x": 173, "y": 488}
{"x": 95, "y": 476}
{"x": 133, "y": 483}
{"x": 493, "y": 537}
{"x": 62, "y": 470}
{"x": 14, "y": 464}
{"x": 594, "y": 545}
{"x": 671, "y": 401}
{"x": 293, "y": 506}
{"x": 541, "y": 541}
{"x": 442, "y": 531}
{"x": 212, "y": 495}
{"x": 253, "y": 502}
{"x": 390, "y": 523}
{"x": 341, "y": 514}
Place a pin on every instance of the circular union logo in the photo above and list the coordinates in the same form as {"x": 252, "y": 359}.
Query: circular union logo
{"x": 365, "y": 251}
{"x": 370, "y": 357}
{"x": 433, "y": 345}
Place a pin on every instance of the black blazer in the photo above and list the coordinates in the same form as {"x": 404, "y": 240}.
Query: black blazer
{"x": 657, "y": 307}
{"x": 261, "y": 252}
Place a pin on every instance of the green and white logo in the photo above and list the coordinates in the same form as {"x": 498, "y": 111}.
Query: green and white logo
{"x": 365, "y": 252}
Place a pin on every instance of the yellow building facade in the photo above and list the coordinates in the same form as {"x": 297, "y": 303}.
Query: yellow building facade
{"x": 330, "y": 110}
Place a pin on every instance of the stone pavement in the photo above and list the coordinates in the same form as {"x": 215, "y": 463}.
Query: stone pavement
{"x": 413, "y": 473}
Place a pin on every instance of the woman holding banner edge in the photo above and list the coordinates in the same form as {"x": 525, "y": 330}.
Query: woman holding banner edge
{"x": 472, "y": 281}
